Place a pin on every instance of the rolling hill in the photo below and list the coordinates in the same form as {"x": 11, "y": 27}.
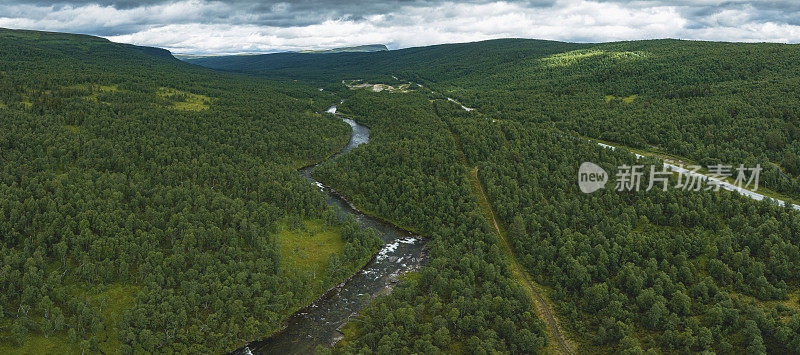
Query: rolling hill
{"x": 683, "y": 99}
{"x": 153, "y": 205}
{"x": 142, "y": 198}
{"x": 672, "y": 271}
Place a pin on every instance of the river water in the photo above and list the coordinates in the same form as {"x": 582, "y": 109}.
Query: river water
{"x": 318, "y": 323}
{"x": 708, "y": 179}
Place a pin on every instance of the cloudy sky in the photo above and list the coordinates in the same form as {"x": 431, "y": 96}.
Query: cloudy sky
{"x": 235, "y": 26}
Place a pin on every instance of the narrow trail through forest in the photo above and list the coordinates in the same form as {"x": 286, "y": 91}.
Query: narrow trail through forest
{"x": 558, "y": 342}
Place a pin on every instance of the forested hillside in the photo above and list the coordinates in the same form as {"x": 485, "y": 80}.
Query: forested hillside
{"x": 145, "y": 202}
{"x": 675, "y": 271}
{"x": 410, "y": 173}
{"x": 151, "y": 205}
{"x": 669, "y": 271}
{"x": 701, "y": 102}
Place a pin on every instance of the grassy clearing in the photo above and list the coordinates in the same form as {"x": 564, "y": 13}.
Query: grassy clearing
{"x": 112, "y": 301}
{"x": 96, "y": 88}
{"x": 115, "y": 301}
{"x": 176, "y": 99}
{"x": 108, "y": 88}
{"x": 627, "y": 99}
{"x": 791, "y": 303}
{"x": 55, "y": 344}
{"x": 572, "y": 57}
{"x": 307, "y": 247}
{"x": 183, "y": 100}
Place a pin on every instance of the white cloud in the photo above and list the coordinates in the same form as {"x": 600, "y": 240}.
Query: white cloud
{"x": 93, "y": 17}
{"x": 198, "y": 26}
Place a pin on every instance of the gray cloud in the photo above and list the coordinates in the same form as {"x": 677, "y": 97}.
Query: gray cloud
{"x": 206, "y": 26}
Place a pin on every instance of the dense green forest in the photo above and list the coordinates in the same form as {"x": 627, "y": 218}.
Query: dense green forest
{"x": 704, "y": 102}
{"x": 664, "y": 271}
{"x": 675, "y": 271}
{"x": 672, "y": 271}
{"x": 464, "y": 299}
{"x": 144, "y": 202}
{"x": 152, "y": 205}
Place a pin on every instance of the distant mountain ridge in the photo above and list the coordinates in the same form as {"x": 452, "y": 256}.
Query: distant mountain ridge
{"x": 78, "y": 44}
{"x": 366, "y": 48}
{"x": 354, "y": 49}
{"x": 454, "y": 59}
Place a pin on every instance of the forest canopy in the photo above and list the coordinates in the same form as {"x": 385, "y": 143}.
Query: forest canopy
{"x": 670, "y": 271}
{"x": 142, "y": 200}
{"x": 153, "y": 205}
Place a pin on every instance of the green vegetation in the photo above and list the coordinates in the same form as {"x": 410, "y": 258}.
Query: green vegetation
{"x": 646, "y": 270}
{"x": 310, "y": 245}
{"x": 713, "y": 103}
{"x": 628, "y": 272}
{"x": 576, "y": 56}
{"x": 558, "y": 341}
{"x": 411, "y": 173}
{"x": 182, "y": 100}
{"x": 144, "y": 201}
{"x": 627, "y": 100}
{"x": 154, "y": 207}
{"x": 316, "y": 248}
{"x": 111, "y": 301}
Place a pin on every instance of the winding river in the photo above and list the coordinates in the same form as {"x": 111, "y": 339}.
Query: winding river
{"x": 319, "y": 323}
